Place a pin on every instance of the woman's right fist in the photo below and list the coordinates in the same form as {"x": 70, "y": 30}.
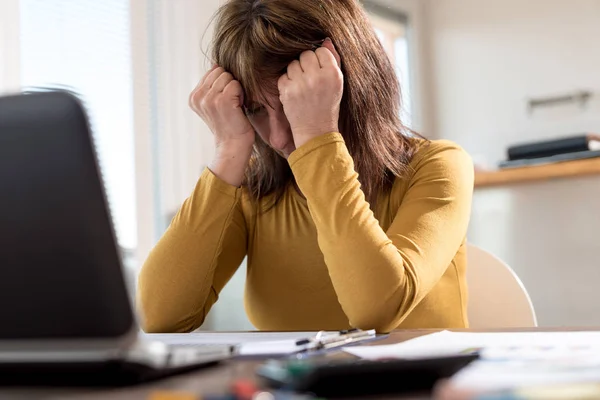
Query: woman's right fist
{"x": 218, "y": 100}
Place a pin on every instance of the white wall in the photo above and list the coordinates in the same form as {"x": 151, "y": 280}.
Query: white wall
{"x": 487, "y": 58}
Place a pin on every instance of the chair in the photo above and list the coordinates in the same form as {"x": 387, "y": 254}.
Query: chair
{"x": 497, "y": 297}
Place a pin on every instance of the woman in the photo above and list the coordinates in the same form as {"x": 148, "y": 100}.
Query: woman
{"x": 346, "y": 220}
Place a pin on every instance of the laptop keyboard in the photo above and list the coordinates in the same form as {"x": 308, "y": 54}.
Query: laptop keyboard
{"x": 185, "y": 355}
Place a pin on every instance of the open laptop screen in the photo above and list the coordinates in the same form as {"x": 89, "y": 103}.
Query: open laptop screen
{"x": 60, "y": 271}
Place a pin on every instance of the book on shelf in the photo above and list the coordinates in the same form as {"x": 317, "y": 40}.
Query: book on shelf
{"x": 548, "y": 148}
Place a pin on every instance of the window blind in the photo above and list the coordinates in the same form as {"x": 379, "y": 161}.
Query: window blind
{"x": 84, "y": 46}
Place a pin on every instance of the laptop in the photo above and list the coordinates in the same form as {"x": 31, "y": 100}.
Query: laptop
{"x": 65, "y": 312}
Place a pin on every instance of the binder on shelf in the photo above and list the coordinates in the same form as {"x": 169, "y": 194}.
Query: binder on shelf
{"x": 548, "y": 148}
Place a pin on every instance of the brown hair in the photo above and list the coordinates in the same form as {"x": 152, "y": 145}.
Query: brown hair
{"x": 255, "y": 40}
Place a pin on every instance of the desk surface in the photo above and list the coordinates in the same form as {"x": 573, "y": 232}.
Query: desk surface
{"x": 214, "y": 380}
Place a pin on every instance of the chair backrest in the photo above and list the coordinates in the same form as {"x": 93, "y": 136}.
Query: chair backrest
{"x": 497, "y": 297}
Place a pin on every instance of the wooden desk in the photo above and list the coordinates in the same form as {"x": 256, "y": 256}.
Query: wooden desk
{"x": 215, "y": 380}
{"x": 567, "y": 169}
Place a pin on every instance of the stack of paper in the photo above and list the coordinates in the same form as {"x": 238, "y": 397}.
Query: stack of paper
{"x": 508, "y": 360}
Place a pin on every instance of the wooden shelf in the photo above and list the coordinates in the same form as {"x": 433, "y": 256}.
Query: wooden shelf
{"x": 565, "y": 169}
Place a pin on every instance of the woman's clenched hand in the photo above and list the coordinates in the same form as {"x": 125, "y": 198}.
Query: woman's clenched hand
{"x": 311, "y": 92}
{"x": 218, "y": 100}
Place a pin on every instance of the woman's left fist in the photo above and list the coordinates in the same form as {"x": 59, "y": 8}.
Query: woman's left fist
{"x": 311, "y": 92}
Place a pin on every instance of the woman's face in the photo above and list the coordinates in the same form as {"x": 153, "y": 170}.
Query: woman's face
{"x": 271, "y": 124}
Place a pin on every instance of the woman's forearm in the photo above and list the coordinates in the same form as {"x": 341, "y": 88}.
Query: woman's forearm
{"x": 196, "y": 256}
{"x": 380, "y": 276}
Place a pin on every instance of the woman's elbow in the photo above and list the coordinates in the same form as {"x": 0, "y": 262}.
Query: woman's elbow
{"x": 151, "y": 319}
{"x": 381, "y": 319}
{"x": 160, "y": 323}
{"x": 383, "y": 316}
{"x": 150, "y": 325}
{"x": 157, "y": 317}
{"x": 380, "y": 325}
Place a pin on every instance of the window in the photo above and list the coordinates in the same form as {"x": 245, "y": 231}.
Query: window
{"x": 84, "y": 46}
{"x": 392, "y": 34}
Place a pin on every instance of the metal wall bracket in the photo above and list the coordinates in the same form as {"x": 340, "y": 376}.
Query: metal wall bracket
{"x": 580, "y": 97}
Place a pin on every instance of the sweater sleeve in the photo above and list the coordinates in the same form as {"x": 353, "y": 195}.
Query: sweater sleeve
{"x": 378, "y": 276}
{"x": 194, "y": 259}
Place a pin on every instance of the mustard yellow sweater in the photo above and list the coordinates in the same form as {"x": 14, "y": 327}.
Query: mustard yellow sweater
{"x": 324, "y": 261}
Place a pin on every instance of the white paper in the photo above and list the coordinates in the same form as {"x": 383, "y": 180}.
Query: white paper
{"x": 495, "y": 345}
{"x": 508, "y": 359}
{"x": 495, "y": 376}
{"x": 231, "y": 338}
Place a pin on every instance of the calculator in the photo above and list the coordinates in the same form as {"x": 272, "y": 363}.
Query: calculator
{"x": 326, "y": 377}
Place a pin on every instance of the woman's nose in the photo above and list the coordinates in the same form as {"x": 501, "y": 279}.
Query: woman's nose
{"x": 280, "y": 132}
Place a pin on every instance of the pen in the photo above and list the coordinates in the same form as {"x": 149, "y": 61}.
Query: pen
{"x": 323, "y": 341}
{"x": 347, "y": 338}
